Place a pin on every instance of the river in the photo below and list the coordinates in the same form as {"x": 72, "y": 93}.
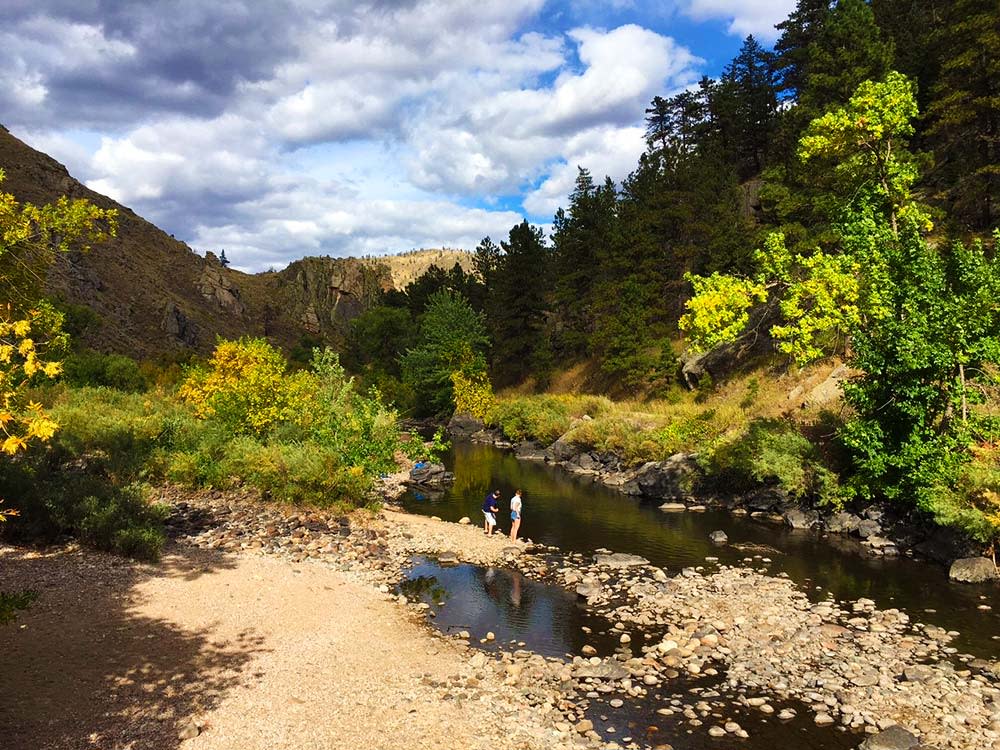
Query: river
{"x": 578, "y": 515}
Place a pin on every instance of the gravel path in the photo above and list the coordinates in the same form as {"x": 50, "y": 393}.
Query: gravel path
{"x": 209, "y": 651}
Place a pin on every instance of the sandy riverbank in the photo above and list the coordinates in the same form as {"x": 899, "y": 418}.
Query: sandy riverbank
{"x": 236, "y": 652}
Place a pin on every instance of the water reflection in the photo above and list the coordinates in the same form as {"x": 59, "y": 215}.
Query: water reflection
{"x": 504, "y": 602}
{"x": 575, "y": 514}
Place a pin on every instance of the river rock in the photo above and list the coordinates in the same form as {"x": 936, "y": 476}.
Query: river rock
{"x": 719, "y": 537}
{"x": 893, "y": 738}
{"x": 800, "y": 519}
{"x": 465, "y": 520}
{"x": 588, "y": 589}
{"x": 561, "y": 450}
{"x": 620, "y": 560}
{"x": 672, "y": 478}
{"x": 843, "y": 522}
{"x": 464, "y": 425}
{"x": 189, "y": 730}
{"x": 673, "y": 507}
{"x": 603, "y": 671}
{"x": 430, "y": 474}
{"x": 973, "y": 570}
{"x": 447, "y": 558}
{"x": 868, "y": 527}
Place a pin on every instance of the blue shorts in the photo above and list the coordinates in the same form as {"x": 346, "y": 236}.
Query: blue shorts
{"x": 514, "y": 515}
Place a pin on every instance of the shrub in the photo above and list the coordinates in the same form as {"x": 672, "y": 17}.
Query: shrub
{"x": 774, "y": 452}
{"x": 542, "y": 418}
{"x": 89, "y": 367}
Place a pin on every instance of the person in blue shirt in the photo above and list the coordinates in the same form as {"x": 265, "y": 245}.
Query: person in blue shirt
{"x": 490, "y": 509}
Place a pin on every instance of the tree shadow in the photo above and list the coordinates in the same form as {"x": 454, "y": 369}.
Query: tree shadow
{"x": 84, "y": 668}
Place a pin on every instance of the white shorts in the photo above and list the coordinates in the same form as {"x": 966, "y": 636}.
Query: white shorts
{"x": 490, "y": 518}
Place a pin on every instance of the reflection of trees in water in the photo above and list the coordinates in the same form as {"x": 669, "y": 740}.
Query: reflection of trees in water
{"x": 421, "y": 587}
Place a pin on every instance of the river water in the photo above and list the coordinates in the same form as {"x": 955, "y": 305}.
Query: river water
{"x": 578, "y": 515}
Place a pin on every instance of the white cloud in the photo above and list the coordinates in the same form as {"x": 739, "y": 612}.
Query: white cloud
{"x": 604, "y": 152}
{"x": 757, "y": 17}
{"x": 335, "y": 128}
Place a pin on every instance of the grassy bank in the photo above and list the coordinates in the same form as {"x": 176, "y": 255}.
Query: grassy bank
{"x": 761, "y": 428}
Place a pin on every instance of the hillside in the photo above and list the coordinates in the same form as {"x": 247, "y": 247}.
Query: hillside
{"x": 407, "y": 267}
{"x": 155, "y": 296}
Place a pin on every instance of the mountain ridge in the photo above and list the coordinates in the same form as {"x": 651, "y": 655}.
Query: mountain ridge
{"x": 154, "y": 296}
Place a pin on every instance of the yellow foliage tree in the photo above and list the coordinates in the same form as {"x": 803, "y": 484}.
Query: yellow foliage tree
{"x": 29, "y": 238}
{"x": 246, "y": 387}
{"x": 473, "y": 394}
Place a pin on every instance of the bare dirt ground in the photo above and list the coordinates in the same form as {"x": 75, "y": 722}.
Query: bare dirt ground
{"x": 241, "y": 651}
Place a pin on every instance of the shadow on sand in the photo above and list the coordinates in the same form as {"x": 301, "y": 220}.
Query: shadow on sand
{"x": 83, "y": 668}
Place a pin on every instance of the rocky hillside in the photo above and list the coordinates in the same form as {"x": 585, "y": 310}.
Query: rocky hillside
{"x": 406, "y": 267}
{"x": 155, "y": 296}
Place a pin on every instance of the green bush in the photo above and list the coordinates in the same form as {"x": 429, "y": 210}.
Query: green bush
{"x": 542, "y": 418}
{"x": 54, "y": 501}
{"x": 92, "y": 368}
{"x": 774, "y": 452}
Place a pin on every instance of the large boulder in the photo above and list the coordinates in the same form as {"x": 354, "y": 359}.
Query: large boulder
{"x": 620, "y": 560}
{"x": 843, "y": 522}
{"x": 429, "y": 474}
{"x": 764, "y": 499}
{"x": 801, "y": 519}
{"x": 562, "y": 450}
{"x": 464, "y": 425}
{"x": 892, "y": 738}
{"x": 973, "y": 570}
{"x": 673, "y": 478}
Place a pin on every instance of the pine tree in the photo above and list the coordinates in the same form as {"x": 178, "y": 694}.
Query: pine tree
{"x": 965, "y": 113}
{"x": 798, "y": 32}
{"x": 849, "y": 49}
{"x": 750, "y": 80}
{"x": 517, "y": 304}
{"x": 578, "y": 238}
{"x": 223, "y": 259}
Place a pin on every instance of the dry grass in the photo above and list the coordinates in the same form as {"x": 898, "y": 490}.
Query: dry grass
{"x": 407, "y": 267}
{"x": 641, "y": 430}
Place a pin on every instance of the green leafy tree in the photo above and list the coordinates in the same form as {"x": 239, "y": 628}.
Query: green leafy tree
{"x": 927, "y": 361}
{"x": 865, "y": 143}
{"x": 823, "y": 295}
{"x": 452, "y": 338}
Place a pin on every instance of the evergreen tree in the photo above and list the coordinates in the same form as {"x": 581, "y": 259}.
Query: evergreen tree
{"x": 223, "y": 259}
{"x": 750, "y": 82}
{"x": 798, "y": 32}
{"x": 965, "y": 113}
{"x": 577, "y": 241}
{"x": 850, "y": 48}
{"x": 516, "y": 306}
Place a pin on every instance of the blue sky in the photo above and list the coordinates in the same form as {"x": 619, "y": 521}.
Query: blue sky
{"x": 275, "y": 129}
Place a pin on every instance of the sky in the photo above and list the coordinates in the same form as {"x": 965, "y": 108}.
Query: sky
{"x": 275, "y": 129}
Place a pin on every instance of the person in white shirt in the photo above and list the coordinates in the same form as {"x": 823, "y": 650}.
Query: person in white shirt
{"x": 515, "y": 515}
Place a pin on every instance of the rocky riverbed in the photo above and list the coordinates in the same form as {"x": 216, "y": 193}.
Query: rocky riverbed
{"x": 731, "y": 639}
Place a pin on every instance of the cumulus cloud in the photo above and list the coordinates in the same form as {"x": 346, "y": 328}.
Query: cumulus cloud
{"x": 757, "y": 17}
{"x": 283, "y": 127}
